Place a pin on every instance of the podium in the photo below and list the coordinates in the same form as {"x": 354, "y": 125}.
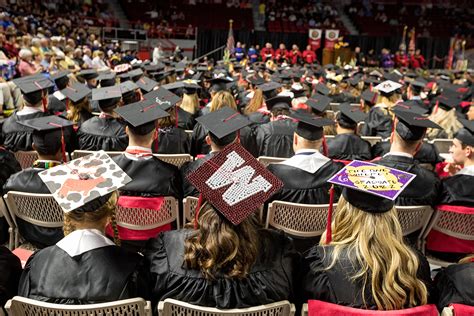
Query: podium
{"x": 344, "y": 53}
{"x": 328, "y": 56}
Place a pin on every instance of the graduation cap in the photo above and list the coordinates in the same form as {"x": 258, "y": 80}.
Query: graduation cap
{"x": 146, "y": 84}
{"x": 76, "y": 92}
{"x": 190, "y": 86}
{"x": 318, "y": 103}
{"x": 128, "y": 88}
{"x": 164, "y": 98}
{"x": 106, "y": 79}
{"x": 354, "y": 81}
{"x": 411, "y": 106}
{"x": 88, "y": 74}
{"x": 298, "y": 93}
{"x": 141, "y": 116}
{"x": 154, "y": 67}
{"x": 388, "y": 87}
{"x": 235, "y": 183}
{"x": 466, "y": 134}
{"x": 310, "y": 127}
{"x": 84, "y": 184}
{"x": 369, "y": 97}
{"x": 107, "y": 97}
{"x": 350, "y": 115}
{"x": 279, "y": 102}
{"x": 392, "y": 77}
{"x": 412, "y": 126}
{"x": 322, "y": 89}
{"x": 255, "y": 80}
{"x": 48, "y": 134}
{"x": 124, "y": 76}
{"x": 219, "y": 84}
{"x": 61, "y": 78}
{"x": 135, "y": 74}
{"x": 376, "y": 73}
{"x": 285, "y": 78}
{"x": 269, "y": 88}
{"x": 33, "y": 87}
{"x": 223, "y": 124}
{"x": 447, "y": 103}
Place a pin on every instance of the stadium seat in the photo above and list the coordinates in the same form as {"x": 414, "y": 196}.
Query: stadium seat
{"x": 413, "y": 219}
{"x": 26, "y": 158}
{"x": 129, "y": 307}
{"x": 189, "y": 208}
{"x": 372, "y": 139}
{"x": 11, "y": 226}
{"x": 319, "y": 308}
{"x": 37, "y": 209}
{"x": 458, "y": 310}
{"x": 172, "y": 307}
{"x": 266, "y": 160}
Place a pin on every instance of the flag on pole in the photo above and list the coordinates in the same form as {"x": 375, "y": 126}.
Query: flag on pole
{"x": 230, "y": 39}
{"x": 449, "y": 60}
{"x": 412, "y": 43}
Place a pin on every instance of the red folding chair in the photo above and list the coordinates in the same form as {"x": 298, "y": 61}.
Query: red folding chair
{"x": 462, "y": 310}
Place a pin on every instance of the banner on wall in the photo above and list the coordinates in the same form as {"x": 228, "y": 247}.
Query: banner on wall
{"x": 331, "y": 38}
{"x": 314, "y": 39}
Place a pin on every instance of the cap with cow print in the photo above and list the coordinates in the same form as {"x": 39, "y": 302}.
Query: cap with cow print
{"x": 84, "y": 180}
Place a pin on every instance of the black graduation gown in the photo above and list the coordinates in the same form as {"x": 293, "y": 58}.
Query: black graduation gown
{"x": 17, "y": 137}
{"x": 83, "y": 116}
{"x": 55, "y": 105}
{"x": 8, "y": 166}
{"x": 275, "y": 139}
{"x": 172, "y": 140}
{"x": 102, "y": 134}
{"x": 258, "y": 118}
{"x": 377, "y": 124}
{"x": 187, "y": 168}
{"x": 454, "y": 285}
{"x": 458, "y": 190}
{"x": 423, "y": 190}
{"x": 151, "y": 177}
{"x": 10, "y": 266}
{"x": 428, "y": 154}
{"x": 349, "y": 147}
{"x": 100, "y": 275}
{"x": 335, "y": 286}
{"x": 29, "y": 181}
{"x": 185, "y": 119}
{"x": 271, "y": 278}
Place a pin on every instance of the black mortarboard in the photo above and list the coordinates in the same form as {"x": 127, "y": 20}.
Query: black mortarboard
{"x": 298, "y": 93}
{"x": 88, "y": 74}
{"x": 124, "y": 76}
{"x": 278, "y": 102}
{"x": 255, "y": 80}
{"x": 33, "y": 87}
{"x": 269, "y": 86}
{"x": 350, "y": 115}
{"x": 318, "y": 103}
{"x": 367, "y": 202}
{"x": 418, "y": 84}
{"x": 106, "y": 79}
{"x": 310, "y": 127}
{"x": 466, "y": 134}
{"x": 127, "y": 88}
{"x": 190, "y": 87}
{"x": 107, "y": 97}
{"x": 141, "y": 116}
{"x": 219, "y": 84}
{"x": 285, "y": 78}
{"x": 76, "y": 92}
{"x": 412, "y": 126}
{"x": 354, "y": 80}
{"x": 369, "y": 97}
{"x": 47, "y": 132}
{"x": 61, "y": 78}
{"x": 135, "y": 74}
{"x": 411, "y": 106}
{"x": 164, "y": 98}
{"x": 146, "y": 84}
{"x": 223, "y": 122}
{"x": 154, "y": 67}
{"x": 447, "y": 102}
{"x": 322, "y": 89}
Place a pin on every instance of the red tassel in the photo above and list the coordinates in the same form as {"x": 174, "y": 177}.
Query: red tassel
{"x": 44, "y": 101}
{"x": 63, "y": 146}
{"x": 329, "y": 222}
{"x": 157, "y": 134}
{"x": 196, "y": 214}
{"x": 325, "y": 147}
{"x": 436, "y": 107}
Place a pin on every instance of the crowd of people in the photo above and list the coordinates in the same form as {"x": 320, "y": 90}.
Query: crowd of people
{"x": 276, "y": 103}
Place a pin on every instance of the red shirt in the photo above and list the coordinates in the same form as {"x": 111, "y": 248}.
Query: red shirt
{"x": 267, "y": 53}
{"x": 309, "y": 56}
{"x": 281, "y": 54}
{"x": 293, "y": 56}
{"x": 417, "y": 61}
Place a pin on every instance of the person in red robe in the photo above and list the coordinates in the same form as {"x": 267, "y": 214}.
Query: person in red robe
{"x": 294, "y": 55}
{"x": 309, "y": 56}
{"x": 401, "y": 59}
{"x": 267, "y": 52}
{"x": 417, "y": 60}
{"x": 281, "y": 54}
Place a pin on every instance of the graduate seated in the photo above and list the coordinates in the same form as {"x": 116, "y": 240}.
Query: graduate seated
{"x": 362, "y": 260}
{"x": 8, "y": 166}
{"x": 347, "y": 145}
{"x": 225, "y": 259}
{"x": 57, "y": 100}
{"x": 78, "y": 105}
{"x": 49, "y": 134}
{"x": 34, "y": 89}
{"x": 10, "y": 266}
{"x": 104, "y": 132}
{"x": 84, "y": 267}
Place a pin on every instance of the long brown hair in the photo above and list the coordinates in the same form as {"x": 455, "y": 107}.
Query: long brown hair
{"x": 222, "y": 99}
{"x": 190, "y": 103}
{"x": 219, "y": 247}
{"x": 75, "y": 109}
{"x": 382, "y": 260}
{"x": 255, "y": 103}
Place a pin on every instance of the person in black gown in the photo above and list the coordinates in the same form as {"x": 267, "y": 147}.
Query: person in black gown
{"x": 104, "y": 132}
{"x": 8, "y": 166}
{"x": 78, "y": 104}
{"x": 57, "y": 101}
{"x": 47, "y": 142}
{"x": 347, "y": 145}
{"x": 10, "y": 266}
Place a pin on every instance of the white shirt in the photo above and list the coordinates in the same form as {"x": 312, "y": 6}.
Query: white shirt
{"x": 309, "y": 160}
{"x": 468, "y": 171}
{"x": 398, "y": 153}
{"x": 83, "y": 240}
{"x": 29, "y": 110}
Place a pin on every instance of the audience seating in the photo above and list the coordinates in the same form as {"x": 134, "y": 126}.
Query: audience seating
{"x": 172, "y": 307}
{"x": 458, "y": 310}
{"x": 4, "y": 214}
{"x": 26, "y": 158}
{"x": 442, "y": 144}
{"x": 37, "y": 209}
{"x": 413, "y": 219}
{"x": 319, "y": 308}
{"x": 130, "y": 307}
{"x": 372, "y": 139}
{"x": 189, "y": 208}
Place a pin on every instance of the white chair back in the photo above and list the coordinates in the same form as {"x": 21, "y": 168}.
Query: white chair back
{"x": 266, "y": 160}
{"x": 414, "y": 218}
{"x": 189, "y": 208}
{"x": 175, "y": 159}
{"x": 372, "y": 139}
{"x": 26, "y": 158}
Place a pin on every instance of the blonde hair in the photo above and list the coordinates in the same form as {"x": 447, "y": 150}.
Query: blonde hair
{"x": 386, "y": 263}
{"x": 106, "y": 210}
{"x": 221, "y": 100}
{"x": 255, "y": 103}
{"x": 467, "y": 259}
{"x": 75, "y": 109}
{"x": 190, "y": 103}
{"x": 447, "y": 120}
{"x": 388, "y": 103}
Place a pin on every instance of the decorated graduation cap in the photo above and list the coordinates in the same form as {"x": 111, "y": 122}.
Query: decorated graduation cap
{"x": 466, "y": 134}
{"x": 164, "y": 98}
{"x": 369, "y": 97}
{"x": 34, "y": 88}
{"x": 310, "y": 127}
{"x": 84, "y": 184}
{"x": 49, "y": 134}
{"x": 388, "y": 87}
{"x": 76, "y": 92}
{"x": 412, "y": 126}
{"x": 369, "y": 187}
{"x": 107, "y": 97}
{"x": 278, "y": 102}
{"x": 322, "y": 89}
{"x": 234, "y": 182}
{"x": 349, "y": 115}
{"x": 146, "y": 84}
{"x": 141, "y": 116}
{"x": 88, "y": 74}
{"x": 61, "y": 78}
{"x": 318, "y": 103}
{"x": 106, "y": 79}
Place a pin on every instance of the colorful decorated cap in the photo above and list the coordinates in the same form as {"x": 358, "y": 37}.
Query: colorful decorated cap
{"x": 412, "y": 126}
{"x": 370, "y": 187}
{"x": 141, "y": 116}
{"x": 107, "y": 97}
{"x": 84, "y": 184}
{"x": 33, "y": 87}
{"x": 76, "y": 92}
{"x": 310, "y": 127}
{"x": 223, "y": 123}
{"x": 164, "y": 98}
{"x": 318, "y": 103}
{"x": 146, "y": 84}
{"x": 388, "y": 87}
{"x": 350, "y": 115}
{"x": 466, "y": 134}
{"x": 235, "y": 183}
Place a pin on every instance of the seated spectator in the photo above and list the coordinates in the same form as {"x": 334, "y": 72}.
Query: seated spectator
{"x": 26, "y": 66}
{"x": 10, "y": 266}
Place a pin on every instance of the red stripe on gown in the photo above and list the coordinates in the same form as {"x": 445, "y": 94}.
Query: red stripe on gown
{"x": 153, "y": 203}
